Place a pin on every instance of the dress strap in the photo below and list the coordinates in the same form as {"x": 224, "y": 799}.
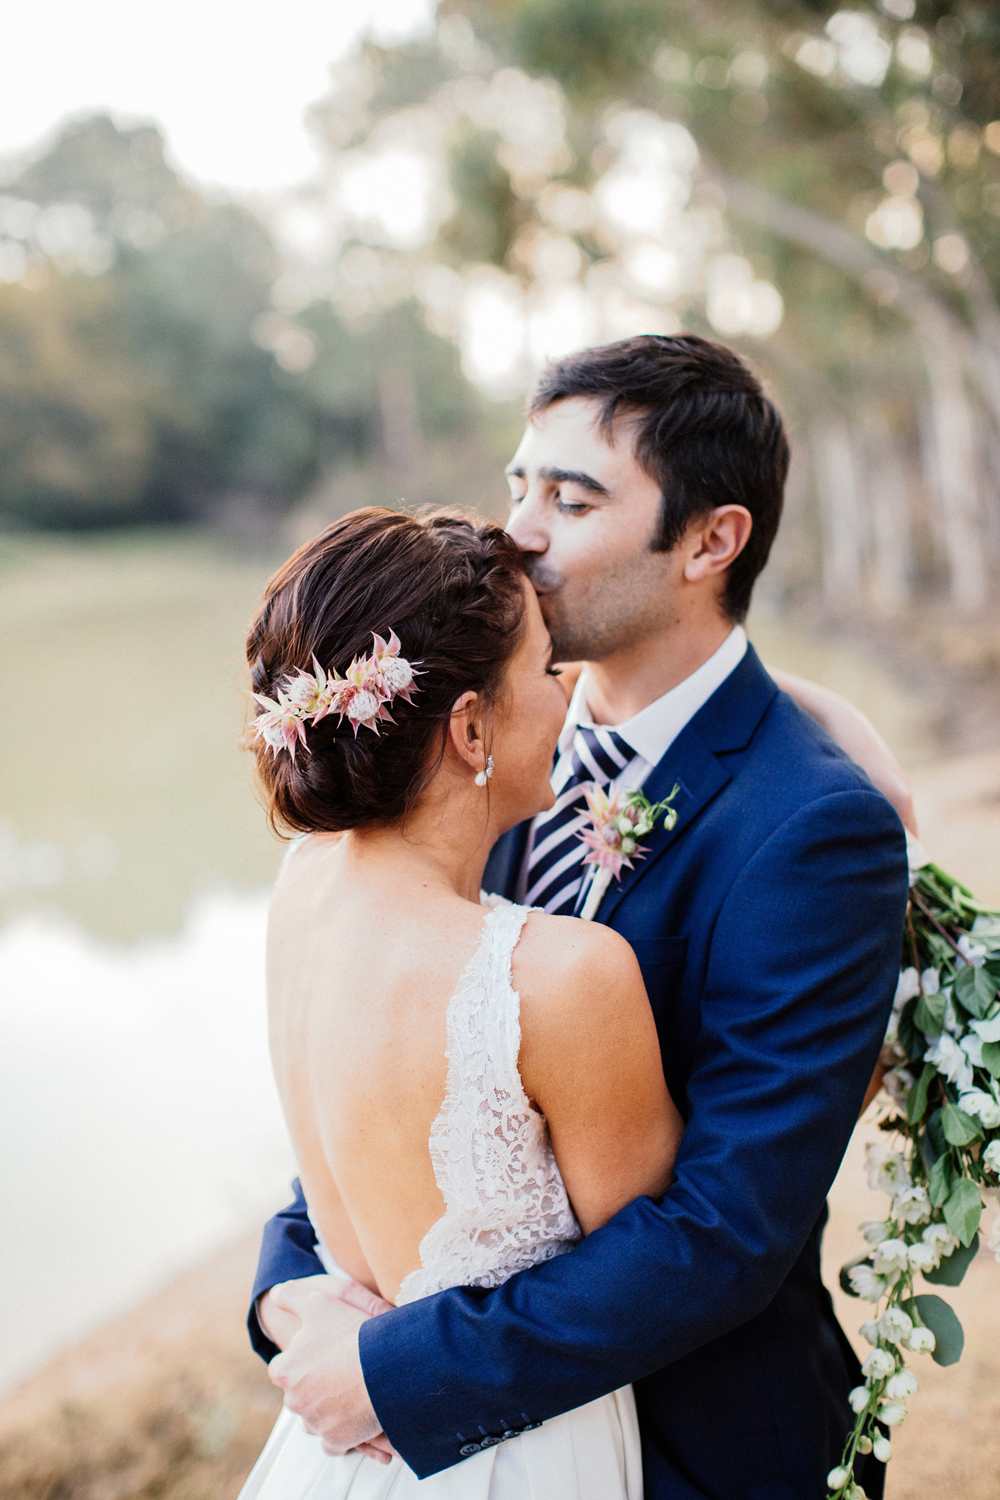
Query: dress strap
{"x": 505, "y": 1203}
{"x": 484, "y": 1040}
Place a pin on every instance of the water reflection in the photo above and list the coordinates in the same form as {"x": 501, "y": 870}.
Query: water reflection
{"x": 140, "y": 1122}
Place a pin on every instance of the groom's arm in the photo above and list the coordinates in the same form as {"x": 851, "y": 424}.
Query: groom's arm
{"x": 802, "y": 968}
{"x": 287, "y": 1253}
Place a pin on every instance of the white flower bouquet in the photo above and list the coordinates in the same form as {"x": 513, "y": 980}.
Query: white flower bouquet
{"x": 943, "y": 1111}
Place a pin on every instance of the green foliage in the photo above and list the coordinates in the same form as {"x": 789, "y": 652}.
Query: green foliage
{"x": 141, "y": 375}
{"x": 929, "y": 1013}
{"x": 951, "y": 1271}
{"x": 991, "y": 1058}
{"x": 939, "y": 1180}
{"x": 976, "y": 988}
{"x": 960, "y": 1129}
{"x": 134, "y": 391}
{"x": 916, "y": 1103}
{"x": 911, "y": 1038}
{"x": 484, "y": 226}
{"x": 593, "y": 48}
{"x": 936, "y": 1315}
{"x": 963, "y": 1209}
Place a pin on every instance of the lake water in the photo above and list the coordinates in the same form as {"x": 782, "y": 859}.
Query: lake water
{"x": 140, "y": 1122}
{"x": 141, "y": 1129}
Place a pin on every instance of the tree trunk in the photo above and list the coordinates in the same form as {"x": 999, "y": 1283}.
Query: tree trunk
{"x": 841, "y": 509}
{"x": 956, "y": 466}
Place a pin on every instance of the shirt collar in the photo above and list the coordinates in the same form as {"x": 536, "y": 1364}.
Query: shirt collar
{"x": 652, "y": 731}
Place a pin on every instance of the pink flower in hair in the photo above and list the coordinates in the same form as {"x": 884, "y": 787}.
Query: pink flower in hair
{"x": 281, "y": 726}
{"x": 359, "y": 698}
{"x": 311, "y": 693}
{"x": 395, "y": 673}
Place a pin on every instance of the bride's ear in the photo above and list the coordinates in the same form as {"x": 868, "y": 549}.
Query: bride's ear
{"x": 465, "y": 732}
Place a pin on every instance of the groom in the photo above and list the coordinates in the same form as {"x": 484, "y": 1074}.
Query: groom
{"x": 647, "y": 491}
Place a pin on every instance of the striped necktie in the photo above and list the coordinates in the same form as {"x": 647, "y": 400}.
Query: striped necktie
{"x": 555, "y": 868}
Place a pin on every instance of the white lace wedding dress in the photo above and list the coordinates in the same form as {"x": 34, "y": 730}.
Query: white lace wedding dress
{"x": 506, "y": 1209}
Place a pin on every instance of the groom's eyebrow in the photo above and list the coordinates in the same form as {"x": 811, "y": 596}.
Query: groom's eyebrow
{"x": 575, "y": 476}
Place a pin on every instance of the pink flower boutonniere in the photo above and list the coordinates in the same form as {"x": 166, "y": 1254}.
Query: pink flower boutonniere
{"x": 618, "y": 823}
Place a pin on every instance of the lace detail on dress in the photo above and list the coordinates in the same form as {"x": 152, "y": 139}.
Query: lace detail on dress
{"x": 505, "y": 1204}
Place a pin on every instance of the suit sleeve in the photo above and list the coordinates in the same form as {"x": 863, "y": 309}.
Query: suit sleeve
{"x": 287, "y": 1253}
{"x": 802, "y": 967}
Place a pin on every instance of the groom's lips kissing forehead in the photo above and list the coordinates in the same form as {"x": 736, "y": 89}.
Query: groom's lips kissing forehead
{"x": 544, "y": 580}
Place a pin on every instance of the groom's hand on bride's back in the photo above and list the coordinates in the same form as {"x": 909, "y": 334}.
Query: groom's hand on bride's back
{"x": 316, "y": 1321}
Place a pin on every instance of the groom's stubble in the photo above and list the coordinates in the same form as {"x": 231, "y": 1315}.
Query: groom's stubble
{"x": 596, "y": 614}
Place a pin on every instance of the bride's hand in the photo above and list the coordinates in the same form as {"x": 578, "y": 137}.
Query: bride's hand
{"x": 320, "y": 1370}
{"x": 857, "y": 736}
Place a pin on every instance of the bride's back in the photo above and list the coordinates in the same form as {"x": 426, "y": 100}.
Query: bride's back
{"x": 359, "y": 982}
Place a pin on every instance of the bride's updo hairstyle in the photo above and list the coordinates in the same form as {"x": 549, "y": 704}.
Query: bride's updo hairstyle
{"x": 452, "y": 589}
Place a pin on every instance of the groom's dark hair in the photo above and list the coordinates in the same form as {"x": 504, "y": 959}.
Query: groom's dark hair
{"x": 704, "y": 430}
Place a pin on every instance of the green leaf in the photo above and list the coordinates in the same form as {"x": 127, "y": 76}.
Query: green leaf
{"x": 936, "y": 1315}
{"x": 845, "y": 1284}
{"x": 975, "y": 988}
{"x": 991, "y": 1058}
{"x": 929, "y": 1014}
{"x": 963, "y": 1209}
{"x": 916, "y": 1099}
{"x": 959, "y": 1128}
{"x": 911, "y": 1038}
{"x": 939, "y": 1180}
{"x": 954, "y": 1266}
{"x": 935, "y": 1134}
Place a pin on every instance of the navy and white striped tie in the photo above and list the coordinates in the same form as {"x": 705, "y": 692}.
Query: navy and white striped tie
{"x": 555, "y": 868}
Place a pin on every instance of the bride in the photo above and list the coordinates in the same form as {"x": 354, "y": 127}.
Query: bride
{"x": 469, "y": 1088}
{"x": 392, "y": 988}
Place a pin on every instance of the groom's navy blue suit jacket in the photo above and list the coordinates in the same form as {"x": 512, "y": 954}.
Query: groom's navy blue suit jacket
{"x": 767, "y": 924}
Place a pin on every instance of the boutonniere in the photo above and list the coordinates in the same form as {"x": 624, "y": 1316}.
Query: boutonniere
{"x": 617, "y": 824}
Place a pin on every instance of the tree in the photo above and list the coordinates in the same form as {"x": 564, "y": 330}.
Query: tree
{"x": 818, "y": 184}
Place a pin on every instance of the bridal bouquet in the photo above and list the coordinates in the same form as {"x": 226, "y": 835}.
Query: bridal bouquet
{"x": 943, "y": 1152}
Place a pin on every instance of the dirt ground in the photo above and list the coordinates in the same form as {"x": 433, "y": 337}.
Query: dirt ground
{"x": 168, "y": 1401}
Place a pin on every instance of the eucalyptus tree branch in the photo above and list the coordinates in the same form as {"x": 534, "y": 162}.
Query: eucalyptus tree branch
{"x": 835, "y": 243}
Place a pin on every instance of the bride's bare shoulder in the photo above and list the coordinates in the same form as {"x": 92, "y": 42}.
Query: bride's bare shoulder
{"x": 565, "y": 955}
{"x": 585, "y": 1016}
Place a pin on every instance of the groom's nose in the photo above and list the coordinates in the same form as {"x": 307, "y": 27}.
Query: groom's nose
{"x": 526, "y": 525}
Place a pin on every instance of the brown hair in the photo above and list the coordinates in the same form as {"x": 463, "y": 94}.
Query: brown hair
{"x": 452, "y": 589}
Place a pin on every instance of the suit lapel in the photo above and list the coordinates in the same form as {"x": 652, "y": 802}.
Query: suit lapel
{"x": 728, "y": 721}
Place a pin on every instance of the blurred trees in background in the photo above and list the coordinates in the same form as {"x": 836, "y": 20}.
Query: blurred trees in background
{"x": 145, "y": 374}
{"x": 818, "y": 185}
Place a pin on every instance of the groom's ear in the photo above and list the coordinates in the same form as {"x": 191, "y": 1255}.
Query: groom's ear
{"x": 714, "y": 543}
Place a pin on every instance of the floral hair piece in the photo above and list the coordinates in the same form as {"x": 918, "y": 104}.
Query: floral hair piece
{"x": 362, "y": 696}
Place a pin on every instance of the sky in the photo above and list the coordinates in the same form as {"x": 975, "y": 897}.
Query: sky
{"x": 228, "y": 80}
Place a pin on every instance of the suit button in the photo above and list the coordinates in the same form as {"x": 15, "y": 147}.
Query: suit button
{"x": 467, "y": 1450}
{"x": 490, "y": 1442}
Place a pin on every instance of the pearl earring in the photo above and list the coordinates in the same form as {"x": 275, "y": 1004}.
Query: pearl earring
{"x": 482, "y": 777}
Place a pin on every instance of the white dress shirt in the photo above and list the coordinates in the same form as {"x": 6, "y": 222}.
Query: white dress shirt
{"x": 652, "y": 731}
